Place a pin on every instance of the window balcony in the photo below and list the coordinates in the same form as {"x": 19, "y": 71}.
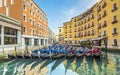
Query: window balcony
{"x": 92, "y": 34}
{"x": 104, "y": 15}
{"x": 92, "y": 17}
{"x": 104, "y": 25}
{"x": 92, "y": 25}
{"x": 88, "y": 34}
{"x": 104, "y": 35}
{"x": 99, "y": 10}
{"x": 113, "y": 22}
{"x": 114, "y": 9}
{"x": 75, "y": 36}
{"x": 104, "y": 5}
{"x": 99, "y": 18}
{"x": 114, "y": 33}
{"x": 78, "y": 30}
{"x": 99, "y": 35}
{"x": 88, "y": 19}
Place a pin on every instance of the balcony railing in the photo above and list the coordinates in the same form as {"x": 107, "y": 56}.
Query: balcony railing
{"x": 113, "y": 22}
{"x": 99, "y": 10}
{"x": 114, "y": 33}
{"x": 104, "y": 35}
{"x": 104, "y": 25}
{"x": 92, "y": 33}
{"x": 104, "y": 5}
{"x": 99, "y": 35}
{"x": 92, "y": 17}
{"x": 114, "y": 9}
{"x": 99, "y": 18}
{"x": 92, "y": 25}
{"x": 104, "y": 15}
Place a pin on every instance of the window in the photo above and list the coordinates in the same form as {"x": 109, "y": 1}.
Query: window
{"x": 92, "y": 24}
{"x": 105, "y": 24}
{"x": 99, "y": 17}
{"x": 30, "y": 21}
{"x": 92, "y": 16}
{"x": 93, "y": 32}
{"x": 12, "y": 2}
{"x": 114, "y": 20}
{"x": 31, "y": 31}
{"x": 31, "y": 12}
{"x": 10, "y": 36}
{"x": 114, "y": 7}
{"x": 70, "y": 36}
{"x": 114, "y": 31}
{"x": 34, "y": 23}
{"x": 1, "y": 3}
{"x": 104, "y": 5}
{"x": 24, "y": 7}
{"x": 99, "y": 26}
{"x": 104, "y": 33}
{"x": 88, "y": 33}
{"x": 36, "y": 42}
{"x": 70, "y": 42}
{"x": 99, "y": 8}
{"x": 115, "y": 42}
{"x": 88, "y": 25}
{"x": 24, "y": 29}
{"x": 88, "y": 18}
{"x": 31, "y": 5}
{"x": 84, "y": 20}
{"x": 10, "y": 40}
{"x": 5, "y": 2}
{"x": 60, "y": 30}
{"x": 7, "y": 11}
{"x": 99, "y": 35}
{"x": 27, "y": 41}
{"x": 78, "y": 34}
{"x": 104, "y": 14}
{"x": 24, "y": 18}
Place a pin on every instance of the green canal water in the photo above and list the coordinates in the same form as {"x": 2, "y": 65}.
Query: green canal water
{"x": 72, "y": 66}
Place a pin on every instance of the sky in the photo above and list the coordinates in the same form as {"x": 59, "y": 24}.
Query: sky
{"x": 60, "y": 11}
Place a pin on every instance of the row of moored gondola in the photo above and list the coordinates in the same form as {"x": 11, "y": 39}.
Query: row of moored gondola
{"x": 58, "y": 51}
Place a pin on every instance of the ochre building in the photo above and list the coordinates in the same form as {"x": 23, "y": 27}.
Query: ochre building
{"x": 97, "y": 24}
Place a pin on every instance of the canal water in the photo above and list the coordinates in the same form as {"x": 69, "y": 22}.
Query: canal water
{"x": 72, "y": 66}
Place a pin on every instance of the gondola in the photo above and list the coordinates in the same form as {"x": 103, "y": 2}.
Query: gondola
{"x": 79, "y": 53}
{"x": 19, "y": 56}
{"x": 58, "y": 54}
{"x": 88, "y": 53}
{"x": 27, "y": 56}
{"x": 11, "y": 56}
{"x": 35, "y": 54}
{"x": 97, "y": 53}
{"x": 46, "y": 54}
{"x": 69, "y": 54}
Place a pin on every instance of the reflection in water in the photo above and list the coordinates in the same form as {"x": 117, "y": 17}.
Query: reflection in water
{"x": 72, "y": 66}
{"x": 78, "y": 62}
{"x": 57, "y": 62}
{"x": 68, "y": 63}
{"x": 46, "y": 63}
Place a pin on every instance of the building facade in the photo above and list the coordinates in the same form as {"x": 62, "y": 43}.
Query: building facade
{"x": 32, "y": 18}
{"x": 10, "y": 33}
{"x": 97, "y": 24}
{"x": 51, "y": 38}
{"x": 60, "y": 35}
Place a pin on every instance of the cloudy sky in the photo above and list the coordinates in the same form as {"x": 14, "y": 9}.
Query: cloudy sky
{"x": 60, "y": 11}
